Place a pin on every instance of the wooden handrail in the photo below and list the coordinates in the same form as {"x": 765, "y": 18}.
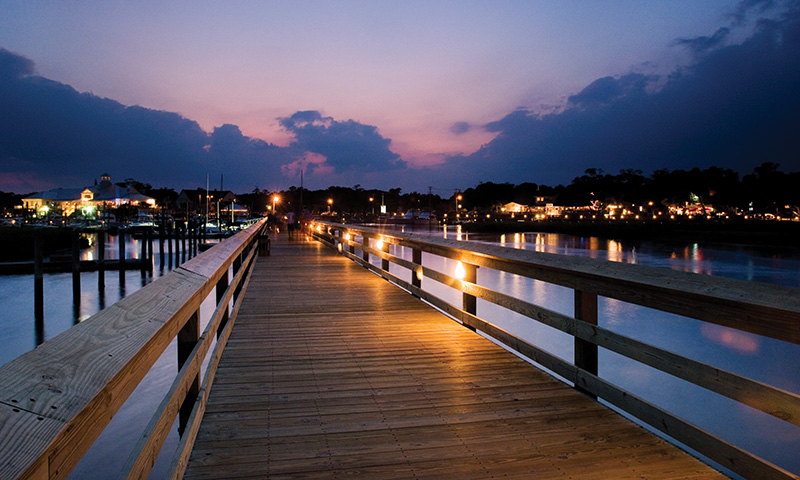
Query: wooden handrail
{"x": 767, "y": 310}
{"x": 57, "y": 399}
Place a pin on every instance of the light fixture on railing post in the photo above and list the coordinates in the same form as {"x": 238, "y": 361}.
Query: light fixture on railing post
{"x": 416, "y": 258}
{"x": 467, "y": 273}
{"x": 349, "y": 239}
{"x": 384, "y": 247}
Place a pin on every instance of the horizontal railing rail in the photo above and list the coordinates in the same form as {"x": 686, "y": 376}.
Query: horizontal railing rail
{"x": 768, "y": 310}
{"x": 57, "y": 399}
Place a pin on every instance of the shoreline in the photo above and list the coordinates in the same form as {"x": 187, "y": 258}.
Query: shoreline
{"x": 755, "y": 233}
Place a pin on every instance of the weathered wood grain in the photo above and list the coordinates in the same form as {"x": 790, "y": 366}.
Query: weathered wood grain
{"x": 332, "y": 371}
{"x": 779, "y": 403}
{"x": 57, "y": 398}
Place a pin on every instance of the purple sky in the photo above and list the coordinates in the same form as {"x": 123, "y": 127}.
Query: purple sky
{"x": 391, "y": 94}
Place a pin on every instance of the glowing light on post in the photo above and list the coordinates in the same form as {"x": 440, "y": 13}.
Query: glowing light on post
{"x": 379, "y": 244}
{"x": 419, "y": 273}
{"x": 347, "y": 236}
{"x": 461, "y": 272}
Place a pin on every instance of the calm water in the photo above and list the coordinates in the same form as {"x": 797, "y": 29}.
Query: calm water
{"x": 771, "y": 361}
{"x": 110, "y": 451}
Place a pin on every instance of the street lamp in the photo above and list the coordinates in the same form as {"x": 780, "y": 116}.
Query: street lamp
{"x": 330, "y": 202}
{"x": 275, "y": 199}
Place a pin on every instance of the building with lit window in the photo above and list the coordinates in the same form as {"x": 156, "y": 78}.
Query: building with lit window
{"x": 86, "y": 201}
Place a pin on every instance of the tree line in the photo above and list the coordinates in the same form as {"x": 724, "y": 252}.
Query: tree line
{"x": 766, "y": 190}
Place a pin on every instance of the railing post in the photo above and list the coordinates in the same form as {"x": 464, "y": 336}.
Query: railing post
{"x": 470, "y": 302}
{"x": 416, "y": 258}
{"x": 585, "y": 352}
{"x": 352, "y": 246}
{"x": 365, "y": 245}
{"x": 384, "y": 261}
{"x": 188, "y": 336}
{"x": 222, "y": 285}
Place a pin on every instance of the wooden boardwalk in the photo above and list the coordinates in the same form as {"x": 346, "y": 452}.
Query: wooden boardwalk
{"x": 332, "y": 372}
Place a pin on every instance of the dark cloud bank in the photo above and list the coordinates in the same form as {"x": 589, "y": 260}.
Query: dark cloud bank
{"x": 52, "y": 135}
{"x": 735, "y": 106}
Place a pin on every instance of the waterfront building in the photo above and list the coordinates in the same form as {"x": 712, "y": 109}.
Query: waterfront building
{"x": 87, "y": 200}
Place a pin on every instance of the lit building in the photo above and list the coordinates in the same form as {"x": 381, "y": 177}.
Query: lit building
{"x": 66, "y": 201}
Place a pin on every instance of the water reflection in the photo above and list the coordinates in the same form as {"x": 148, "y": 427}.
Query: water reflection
{"x": 63, "y": 309}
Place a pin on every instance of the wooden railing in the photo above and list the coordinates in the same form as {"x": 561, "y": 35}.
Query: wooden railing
{"x": 768, "y": 310}
{"x": 57, "y": 399}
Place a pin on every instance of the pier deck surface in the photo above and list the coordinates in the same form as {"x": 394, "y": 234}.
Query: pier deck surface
{"x": 332, "y": 372}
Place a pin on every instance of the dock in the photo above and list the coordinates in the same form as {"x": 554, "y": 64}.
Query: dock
{"x": 330, "y": 371}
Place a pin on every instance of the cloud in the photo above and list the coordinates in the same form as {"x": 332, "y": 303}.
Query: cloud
{"x": 52, "y": 135}
{"x": 14, "y": 66}
{"x": 460, "y": 128}
{"x": 734, "y": 107}
{"x": 348, "y": 146}
{"x": 605, "y": 90}
{"x": 700, "y": 45}
{"x": 50, "y": 131}
{"x": 745, "y": 7}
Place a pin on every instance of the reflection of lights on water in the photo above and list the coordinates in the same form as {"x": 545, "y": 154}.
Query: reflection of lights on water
{"x": 615, "y": 251}
{"x": 741, "y": 342}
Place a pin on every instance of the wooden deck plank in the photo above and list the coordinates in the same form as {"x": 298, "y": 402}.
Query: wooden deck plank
{"x": 331, "y": 371}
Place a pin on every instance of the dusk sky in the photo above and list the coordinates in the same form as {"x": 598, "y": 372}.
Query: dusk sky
{"x": 392, "y": 94}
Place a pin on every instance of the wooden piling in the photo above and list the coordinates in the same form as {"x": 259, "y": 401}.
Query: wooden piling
{"x": 76, "y": 268}
{"x": 143, "y": 256}
{"x": 169, "y": 245}
{"x": 121, "y": 239}
{"x": 101, "y": 261}
{"x": 38, "y": 287}
{"x": 161, "y": 233}
{"x": 177, "y": 247}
